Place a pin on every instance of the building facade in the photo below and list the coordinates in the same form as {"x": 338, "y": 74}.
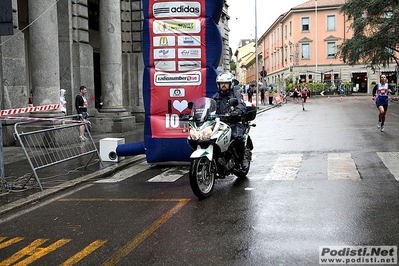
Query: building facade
{"x": 301, "y": 46}
{"x": 64, "y": 44}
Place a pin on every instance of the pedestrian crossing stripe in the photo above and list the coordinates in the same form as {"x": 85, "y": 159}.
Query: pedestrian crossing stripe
{"x": 341, "y": 166}
{"x": 126, "y": 173}
{"x": 390, "y": 159}
{"x": 170, "y": 175}
{"x": 286, "y": 167}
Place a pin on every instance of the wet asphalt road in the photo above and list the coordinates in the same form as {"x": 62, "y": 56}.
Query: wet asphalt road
{"x": 273, "y": 217}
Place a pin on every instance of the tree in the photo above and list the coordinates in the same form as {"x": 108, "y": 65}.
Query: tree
{"x": 233, "y": 65}
{"x": 375, "y": 26}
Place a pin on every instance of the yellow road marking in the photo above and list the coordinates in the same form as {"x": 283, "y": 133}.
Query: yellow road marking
{"x": 143, "y": 235}
{"x": 9, "y": 242}
{"x": 84, "y": 253}
{"x": 34, "y": 252}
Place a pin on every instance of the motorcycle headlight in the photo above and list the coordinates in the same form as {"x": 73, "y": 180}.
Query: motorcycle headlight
{"x": 206, "y": 133}
{"x": 193, "y": 134}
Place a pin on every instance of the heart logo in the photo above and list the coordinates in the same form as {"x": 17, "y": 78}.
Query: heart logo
{"x": 180, "y": 106}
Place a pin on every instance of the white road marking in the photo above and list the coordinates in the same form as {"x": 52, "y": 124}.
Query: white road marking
{"x": 170, "y": 175}
{"x": 285, "y": 168}
{"x": 126, "y": 173}
{"x": 341, "y": 166}
{"x": 390, "y": 159}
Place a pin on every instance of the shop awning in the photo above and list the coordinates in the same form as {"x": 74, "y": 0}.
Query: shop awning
{"x": 358, "y": 71}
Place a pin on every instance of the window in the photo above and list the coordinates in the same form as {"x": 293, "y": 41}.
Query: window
{"x": 305, "y": 51}
{"x": 290, "y": 28}
{"x": 286, "y": 32}
{"x": 331, "y": 22}
{"x": 331, "y": 52}
{"x": 305, "y": 24}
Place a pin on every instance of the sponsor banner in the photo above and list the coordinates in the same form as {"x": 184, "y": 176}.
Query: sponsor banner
{"x": 189, "y": 40}
{"x": 177, "y": 26}
{"x": 177, "y": 92}
{"x": 167, "y": 79}
{"x": 209, "y": 8}
{"x": 165, "y": 66}
{"x": 182, "y": 46}
{"x": 170, "y": 95}
{"x": 189, "y": 53}
{"x": 188, "y": 65}
{"x": 164, "y": 53}
{"x": 176, "y": 9}
{"x": 164, "y": 41}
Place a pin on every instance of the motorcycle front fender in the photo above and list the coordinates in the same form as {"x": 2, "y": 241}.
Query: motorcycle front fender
{"x": 198, "y": 153}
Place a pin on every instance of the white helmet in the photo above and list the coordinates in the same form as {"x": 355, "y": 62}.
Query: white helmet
{"x": 225, "y": 77}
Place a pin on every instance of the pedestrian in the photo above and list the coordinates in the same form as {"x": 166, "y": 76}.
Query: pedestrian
{"x": 250, "y": 92}
{"x": 304, "y": 95}
{"x": 296, "y": 93}
{"x": 262, "y": 95}
{"x": 271, "y": 96}
{"x": 236, "y": 87}
{"x": 81, "y": 108}
{"x": 381, "y": 92}
{"x": 63, "y": 102}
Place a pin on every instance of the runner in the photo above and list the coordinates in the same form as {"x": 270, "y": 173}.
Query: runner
{"x": 380, "y": 95}
{"x": 304, "y": 95}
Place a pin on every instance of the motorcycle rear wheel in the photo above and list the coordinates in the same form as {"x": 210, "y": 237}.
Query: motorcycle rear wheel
{"x": 202, "y": 177}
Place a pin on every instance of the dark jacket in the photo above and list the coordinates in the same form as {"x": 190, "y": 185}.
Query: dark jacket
{"x": 223, "y": 99}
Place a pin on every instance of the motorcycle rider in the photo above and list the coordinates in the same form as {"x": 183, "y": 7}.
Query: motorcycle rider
{"x": 222, "y": 97}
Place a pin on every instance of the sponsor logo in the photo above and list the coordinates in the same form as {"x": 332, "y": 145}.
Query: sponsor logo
{"x": 165, "y": 65}
{"x": 189, "y": 53}
{"x": 164, "y": 53}
{"x": 176, "y": 26}
{"x": 176, "y": 9}
{"x": 189, "y": 40}
{"x": 189, "y": 65}
{"x": 164, "y": 41}
{"x": 177, "y": 92}
{"x": 166, "y": 79}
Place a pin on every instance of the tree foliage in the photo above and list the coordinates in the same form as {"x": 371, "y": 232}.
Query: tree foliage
{"x": 375, "y": 25}
{"x": 233, "y": 65}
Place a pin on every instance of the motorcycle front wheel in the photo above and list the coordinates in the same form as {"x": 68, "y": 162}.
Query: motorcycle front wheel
{"x": 202, "y": 177}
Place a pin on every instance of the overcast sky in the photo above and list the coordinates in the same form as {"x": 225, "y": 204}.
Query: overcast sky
{"x": 242, "y": 17}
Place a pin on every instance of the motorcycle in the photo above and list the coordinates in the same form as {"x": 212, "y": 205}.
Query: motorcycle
{"x": 214, "y": 155}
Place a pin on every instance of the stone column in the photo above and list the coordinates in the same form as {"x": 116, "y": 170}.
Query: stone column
{"x": 111, "y": 57}
{"x": 44, "y": 53}
{"x": 14, "y": 92}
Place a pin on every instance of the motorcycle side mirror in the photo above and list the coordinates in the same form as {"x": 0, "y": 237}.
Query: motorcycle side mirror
{"x": 233, "y": 102}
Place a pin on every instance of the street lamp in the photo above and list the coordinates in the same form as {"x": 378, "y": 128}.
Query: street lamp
{"x": 256, "y": 55}
{"x": 316, "y": 34}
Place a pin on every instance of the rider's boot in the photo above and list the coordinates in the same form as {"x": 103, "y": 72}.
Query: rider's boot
{"x": 241, "y": 153}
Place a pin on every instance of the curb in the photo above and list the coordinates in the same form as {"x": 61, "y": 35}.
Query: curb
{"x": 51, "y": 191}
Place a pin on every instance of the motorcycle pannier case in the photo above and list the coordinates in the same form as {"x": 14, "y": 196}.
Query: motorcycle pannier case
{"x": 251, "y": 113}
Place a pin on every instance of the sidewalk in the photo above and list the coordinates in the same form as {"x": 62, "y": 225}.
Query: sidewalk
{"x": 63, "y": 175}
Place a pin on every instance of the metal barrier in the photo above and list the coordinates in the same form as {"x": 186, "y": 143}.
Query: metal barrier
{"x": 47, "y": 142}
